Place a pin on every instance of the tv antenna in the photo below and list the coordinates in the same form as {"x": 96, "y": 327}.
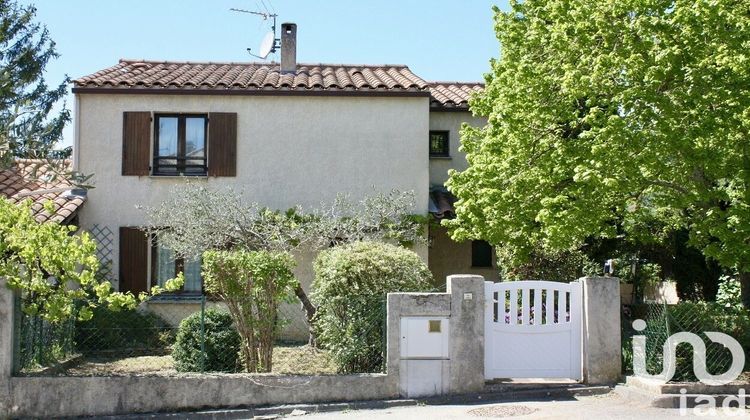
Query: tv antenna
{"x": 270, "y": 43}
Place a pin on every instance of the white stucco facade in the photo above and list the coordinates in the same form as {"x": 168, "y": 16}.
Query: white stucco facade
{"x": 450, "y": 121}
{"x": 291, "y": 150}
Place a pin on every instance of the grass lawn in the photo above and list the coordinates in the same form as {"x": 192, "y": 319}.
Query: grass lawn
{"x": 287, "y": 360}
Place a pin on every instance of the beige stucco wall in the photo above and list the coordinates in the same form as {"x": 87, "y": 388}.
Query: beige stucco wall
{"x": 450, "y": 121}
{"x": 448, "y": 257}
{"x": 292, "y": 150}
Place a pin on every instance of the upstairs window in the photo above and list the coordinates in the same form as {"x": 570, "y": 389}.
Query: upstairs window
{"x": 180, "y": 144}
{"x": 439, "y": 144}
{"x": 481, "y": 254}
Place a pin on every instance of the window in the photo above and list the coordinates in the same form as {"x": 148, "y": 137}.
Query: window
{"x": 481, "y": 254}
{"x": 439, "y": 144}
{"x": 165, "y": 266}
{"x": 180, "y": 144}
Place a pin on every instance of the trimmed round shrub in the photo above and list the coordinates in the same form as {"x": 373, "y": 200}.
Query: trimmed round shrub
{"x": 222, "y": 344}
{"x": 349, "y": 290}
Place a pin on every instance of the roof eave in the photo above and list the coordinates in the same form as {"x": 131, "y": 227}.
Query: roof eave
{"x": 250, "y": 92}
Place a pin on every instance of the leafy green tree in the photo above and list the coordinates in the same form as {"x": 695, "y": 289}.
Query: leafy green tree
{"x": 53, "y": 269}
{"x": 28, "y": 126}
{"x": 607, "y": 117}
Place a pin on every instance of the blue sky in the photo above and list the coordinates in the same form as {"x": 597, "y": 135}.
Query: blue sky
{"x": 437, "y": 39}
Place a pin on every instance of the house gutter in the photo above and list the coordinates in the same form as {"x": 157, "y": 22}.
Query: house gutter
{"x": 248, "y": 92}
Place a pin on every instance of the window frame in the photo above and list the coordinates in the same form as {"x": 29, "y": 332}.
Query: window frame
{"x": 179, "y": 265}
{"x": 180, "y": 166}
{"x": 474, "y": 258}
{"x": 446, "y": 152}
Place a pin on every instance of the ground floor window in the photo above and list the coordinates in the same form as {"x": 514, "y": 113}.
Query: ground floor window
{"x": 481, "y": 254}
{"x": 165, "y": 266}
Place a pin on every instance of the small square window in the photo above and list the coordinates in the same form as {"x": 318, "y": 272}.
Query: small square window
{"x": 481, "y": 254}
{"x": 439, "y": 145}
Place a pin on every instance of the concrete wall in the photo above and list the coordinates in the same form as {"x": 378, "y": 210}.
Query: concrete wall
{"x": 665, "y": 291}
{"x": 450, "y": 121}
{"x": 463, "y": 370}
{"x": 54, "y": 397}
{"x": 449, "y": 257}
{"x": 291, "y": 151}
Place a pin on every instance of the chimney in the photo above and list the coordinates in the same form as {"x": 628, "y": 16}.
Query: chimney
{"x": 288, "y": 47}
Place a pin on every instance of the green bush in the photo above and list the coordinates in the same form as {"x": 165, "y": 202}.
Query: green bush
{"x": 350, "y": 287}
{"x": 125, "y": 331}
{"x": 252, "y": 284}
{"x": 222, "y": 344}
{"x": 729, "y": 294}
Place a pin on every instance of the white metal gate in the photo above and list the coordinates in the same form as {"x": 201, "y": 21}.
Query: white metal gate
{"x": 533, "y": 330}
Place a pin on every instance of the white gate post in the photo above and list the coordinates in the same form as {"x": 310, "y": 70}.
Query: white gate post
{"x": 602, "y": 358}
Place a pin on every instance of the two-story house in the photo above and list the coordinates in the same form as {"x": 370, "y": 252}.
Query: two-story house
{"x": 285, "y": 134}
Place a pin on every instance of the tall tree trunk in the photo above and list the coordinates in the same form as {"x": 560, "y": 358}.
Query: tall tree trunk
{"x": 309, "y": 311}
{"x": 745, "y": 289}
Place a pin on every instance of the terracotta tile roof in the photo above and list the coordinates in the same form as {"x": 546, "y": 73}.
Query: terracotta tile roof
{"x": 441, "y": 203}
{"x": 248, "y": 77}
{"x": 21, "y": 178}
{"x": 446, "y": 95}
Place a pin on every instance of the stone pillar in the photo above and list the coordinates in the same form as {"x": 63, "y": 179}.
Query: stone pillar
{"x": 467, "y": 333}
{"x": 602, "y": 359}
{"x": 7, "y": 322}
{"x": 462, "y": 371}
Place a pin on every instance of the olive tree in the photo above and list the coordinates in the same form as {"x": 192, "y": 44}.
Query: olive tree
{"x": 195, "y": 218}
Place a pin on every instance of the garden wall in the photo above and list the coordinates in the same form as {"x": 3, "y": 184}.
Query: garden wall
{"x": 76, "y": 396}
{"x": 461, "y": 371}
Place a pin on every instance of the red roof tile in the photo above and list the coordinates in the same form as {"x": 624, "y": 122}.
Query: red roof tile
{"x": 141, "y": 74}
{"x": 29, "y": 175}
{"x": 456, "y": 95}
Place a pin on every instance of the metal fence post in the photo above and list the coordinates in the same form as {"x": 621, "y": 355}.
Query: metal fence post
{"x": 17, "y": 314}
{"x": 203, "y": 333}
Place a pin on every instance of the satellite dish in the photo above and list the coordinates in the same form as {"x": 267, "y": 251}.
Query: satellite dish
{"x": 266, "y": 46}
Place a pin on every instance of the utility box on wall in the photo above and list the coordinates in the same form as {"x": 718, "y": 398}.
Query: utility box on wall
{"x": 425, "y": 343}
{"x": 424, "y": 337}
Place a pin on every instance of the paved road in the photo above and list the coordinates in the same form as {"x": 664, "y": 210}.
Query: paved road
{"x": 609, "y": 406}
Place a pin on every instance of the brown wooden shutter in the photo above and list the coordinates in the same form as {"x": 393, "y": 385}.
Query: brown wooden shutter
{"x": 136, "y": 143}
{"x": 133, "y": 260}
{"x": 222, "y": 144}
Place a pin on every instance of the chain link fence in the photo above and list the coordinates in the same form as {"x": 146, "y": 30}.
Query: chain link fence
{"x": 663, "y": 320}
{"x": 167, "y": 335}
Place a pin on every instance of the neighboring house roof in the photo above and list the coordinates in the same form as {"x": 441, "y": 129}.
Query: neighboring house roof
{"x": 21, "y": 178}
{"x": 141, "y": 76}
{"x": 452, "y": 95}
{"x": 441, "y": 203}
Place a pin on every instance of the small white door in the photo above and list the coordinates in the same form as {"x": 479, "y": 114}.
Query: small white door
{"x": 533, "y": 330}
